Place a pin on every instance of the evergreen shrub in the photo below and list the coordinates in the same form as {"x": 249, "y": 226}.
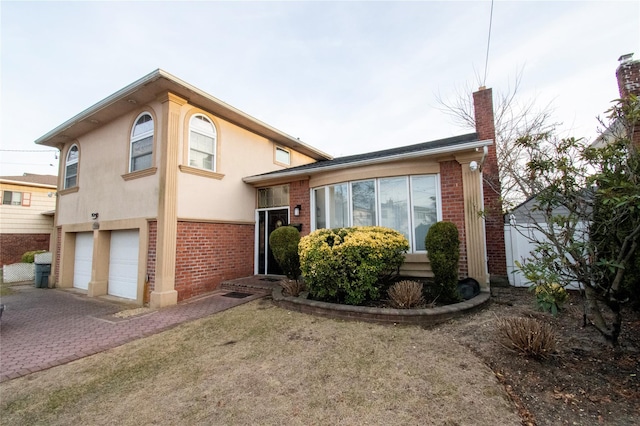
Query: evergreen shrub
{"x": 283, "y": 242}
{"x": 350, "y": 265}
{"x": 443, "y": 249}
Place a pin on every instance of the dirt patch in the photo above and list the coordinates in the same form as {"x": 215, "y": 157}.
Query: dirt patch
{"x": 586, "y": 382}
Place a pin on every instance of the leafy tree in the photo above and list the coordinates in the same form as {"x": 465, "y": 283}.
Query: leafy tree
{"x": 587, "y": 219}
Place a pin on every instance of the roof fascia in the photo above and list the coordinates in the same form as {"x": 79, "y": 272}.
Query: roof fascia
{"x": 367, "y": 162}
{"x": 22, "y": 183}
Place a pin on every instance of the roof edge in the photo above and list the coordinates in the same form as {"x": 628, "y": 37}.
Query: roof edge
{"x": 367, "y": 162}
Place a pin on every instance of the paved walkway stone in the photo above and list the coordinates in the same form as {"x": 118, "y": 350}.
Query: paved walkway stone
{"x": 43, "y": 328}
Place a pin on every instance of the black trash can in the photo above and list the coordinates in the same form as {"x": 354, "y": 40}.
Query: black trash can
{"x": 42, "y": 275}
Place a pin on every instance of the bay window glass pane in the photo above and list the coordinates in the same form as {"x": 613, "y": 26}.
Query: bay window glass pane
{"x": 339, "y": 206}
{"x": 363, "y": 198}
{"x": 425, "y": 209}
{"x": 321, "y": 214}
{"x": 394, "y": 204}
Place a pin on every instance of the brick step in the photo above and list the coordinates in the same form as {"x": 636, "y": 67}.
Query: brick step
{"x": 255, "y": 284}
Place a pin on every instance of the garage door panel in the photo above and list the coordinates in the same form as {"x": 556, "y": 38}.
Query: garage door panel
{"x": 83, "y": 260}
{"x": 123, "y": 264}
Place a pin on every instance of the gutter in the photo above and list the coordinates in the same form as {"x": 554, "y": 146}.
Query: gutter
{"x": 372, "y": 161}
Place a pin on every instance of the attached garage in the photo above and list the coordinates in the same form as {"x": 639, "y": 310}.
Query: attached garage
{"x": 123, "y": 264}
{"x": 83, "y": 260}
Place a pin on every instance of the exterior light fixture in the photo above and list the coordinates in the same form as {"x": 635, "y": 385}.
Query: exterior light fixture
{"x": 473, "y": 166}
{"x": 296, "y": 210}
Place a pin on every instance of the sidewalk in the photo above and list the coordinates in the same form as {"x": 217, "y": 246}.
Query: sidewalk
{"x": 43, "y": 328}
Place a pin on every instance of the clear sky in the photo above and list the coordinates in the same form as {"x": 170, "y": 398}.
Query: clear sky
{"x": 346, "y": 77}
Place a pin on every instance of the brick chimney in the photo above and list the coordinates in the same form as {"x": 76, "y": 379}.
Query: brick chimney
{"x": 628, "y": 75}
{"x": 494, "y": 223}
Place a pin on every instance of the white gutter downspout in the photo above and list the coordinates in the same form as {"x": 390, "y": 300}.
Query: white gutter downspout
{"x": 485, "y": 152}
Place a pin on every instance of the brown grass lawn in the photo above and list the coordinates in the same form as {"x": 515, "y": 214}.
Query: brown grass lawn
{"x": 258, "y": 364}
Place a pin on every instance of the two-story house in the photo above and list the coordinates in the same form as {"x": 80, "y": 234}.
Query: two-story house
{"x": 165, "y": 191}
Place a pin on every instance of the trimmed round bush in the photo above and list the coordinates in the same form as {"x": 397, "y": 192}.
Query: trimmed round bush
{"x": 349, "y": 265}
{"x": 29, "y": 256}
{"x": 443, "y": 249}
{"x": 283, "y": 242}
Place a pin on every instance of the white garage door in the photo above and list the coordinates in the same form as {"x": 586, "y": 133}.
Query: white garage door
{"x": 83, "y": 260}
{"x": 123, "y": 264}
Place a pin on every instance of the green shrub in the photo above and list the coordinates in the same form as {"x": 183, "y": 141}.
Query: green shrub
{"x": 284, "y": 246}
{"x": 443, "y": 248}
{"x": 349, "y": 265}
{"x": 550, "y": 297}
{"x": 29, "y": 257}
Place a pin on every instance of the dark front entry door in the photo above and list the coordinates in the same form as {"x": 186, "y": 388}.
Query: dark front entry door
{"x": 268, "y": 221}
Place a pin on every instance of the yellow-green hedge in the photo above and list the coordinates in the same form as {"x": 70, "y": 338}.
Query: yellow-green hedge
{"x": 347, "y": 265}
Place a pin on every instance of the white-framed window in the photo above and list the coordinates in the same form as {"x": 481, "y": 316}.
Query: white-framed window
{"x": 202, "y": 143}
{"x": 71, "y": 167}
{"x": 11, "y": 198}
{"x": 141, "y": 146}
{"x": 283, "y": 156}
{"x": 408, "y": 204}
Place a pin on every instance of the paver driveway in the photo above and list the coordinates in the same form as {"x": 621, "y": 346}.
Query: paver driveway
{"x": 42, "y": 328}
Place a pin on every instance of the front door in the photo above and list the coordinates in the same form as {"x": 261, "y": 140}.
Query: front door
{"x": 268, "y": 220}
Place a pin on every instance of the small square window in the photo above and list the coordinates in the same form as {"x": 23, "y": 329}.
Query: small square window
{"x": 283, "y": 156}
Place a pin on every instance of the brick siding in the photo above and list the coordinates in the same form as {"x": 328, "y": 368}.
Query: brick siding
{"x": 494, "y": 224}
{"x": 13, "y": 246}
{"x": 299, "y": 194}
{"x": 151, "y": 260}
{"x": 453, "y": 206}
{"x": 209, "y": 253}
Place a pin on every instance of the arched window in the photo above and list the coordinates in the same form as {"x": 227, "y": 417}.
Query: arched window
{"x": 202, "y": 143}
{"x": 71, "y": 168}
{"x": 141, "y": 143}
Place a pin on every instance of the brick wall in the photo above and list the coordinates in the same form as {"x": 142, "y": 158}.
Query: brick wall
{"x": 209, "y": 253}
{"x": 151, "y": 260}
{"x": 56, "y": 278}
{"x": 453, "y": 205}
{"x": 13, "y": 246}
{"x": 628, "y": 76}
{"x": 299, "y": 194}
{"x": 494, "y": 224}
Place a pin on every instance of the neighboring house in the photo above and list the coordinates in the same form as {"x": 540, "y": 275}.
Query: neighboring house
{"x": 26, "y": 214}
{"x": 520, "y": 232}
{"x": 165, "y": 191}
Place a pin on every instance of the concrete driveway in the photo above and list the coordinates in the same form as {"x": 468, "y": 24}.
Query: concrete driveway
{"x": 43, "y": 328}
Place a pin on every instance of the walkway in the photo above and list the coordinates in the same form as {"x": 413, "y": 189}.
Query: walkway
{"x": 43, "y": 328}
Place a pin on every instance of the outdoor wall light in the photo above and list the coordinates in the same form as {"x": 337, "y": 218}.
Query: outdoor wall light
{"x": 296, "y": 210}
{"x": 473, "y": 166}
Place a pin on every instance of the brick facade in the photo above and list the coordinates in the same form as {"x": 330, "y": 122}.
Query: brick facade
{"x": 209, "y": 253}
{"x": 453, "y": 205}
{"x": 299, "y": 194}
{"x": 494, "y": 224}
{"x": 13, "y": 246}
{"x": 628, "y": 76}
{"x": 151, "y": 260}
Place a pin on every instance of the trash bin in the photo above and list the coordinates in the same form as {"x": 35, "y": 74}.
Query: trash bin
{"x": 42, "y": 275}
{"x": 43, "y": 269}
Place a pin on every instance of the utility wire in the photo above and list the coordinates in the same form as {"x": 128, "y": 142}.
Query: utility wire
{"x": 486, "y": 61}
{"x": 28, "y": 150}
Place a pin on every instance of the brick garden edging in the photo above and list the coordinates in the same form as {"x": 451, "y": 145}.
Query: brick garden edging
{"x": 425, "y": 316}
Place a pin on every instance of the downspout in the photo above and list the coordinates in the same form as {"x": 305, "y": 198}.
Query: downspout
{"x": 485, "y": 152}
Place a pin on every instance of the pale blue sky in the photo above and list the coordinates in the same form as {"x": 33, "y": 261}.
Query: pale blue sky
{"x": 345, "y": 77}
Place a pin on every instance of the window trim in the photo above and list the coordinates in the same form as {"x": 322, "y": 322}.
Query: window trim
{"x": 25, "y": 199}
{"x": 133, "y": 139}
{"x": 277, "y": 148}
{"x": 68, "y": 163}
{"x": 215, "y": 155}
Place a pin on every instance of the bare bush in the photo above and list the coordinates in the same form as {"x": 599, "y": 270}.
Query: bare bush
{"x": 527, "y": 336}
{"x": 292, "y": 287}
{"x": 406, "y": 294}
